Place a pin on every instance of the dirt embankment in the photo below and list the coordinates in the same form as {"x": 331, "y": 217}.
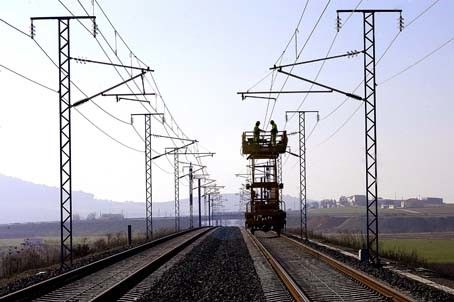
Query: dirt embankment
{"x": 388, "y": 224}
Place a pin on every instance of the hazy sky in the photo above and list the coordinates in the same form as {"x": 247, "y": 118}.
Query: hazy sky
{"x": 205, "y": 51}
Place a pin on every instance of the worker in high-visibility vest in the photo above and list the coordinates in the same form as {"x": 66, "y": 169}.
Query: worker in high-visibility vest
{"x": 257, "y": 131}
{"x": 273, "y": 132}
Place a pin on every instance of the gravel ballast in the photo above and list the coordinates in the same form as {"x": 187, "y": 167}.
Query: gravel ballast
{"x": 417, "y": 290}
{"x": 219, "y": 269}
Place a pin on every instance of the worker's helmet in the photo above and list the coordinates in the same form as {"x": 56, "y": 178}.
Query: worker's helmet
{"x": 257, "y": 123}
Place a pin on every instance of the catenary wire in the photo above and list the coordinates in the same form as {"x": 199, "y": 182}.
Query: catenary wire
{"x": 323, "y": 64}
{"x": 300, "y": 52}
{"x": 15, "y": 28}
{"x": 151, "y": 75}
{"x": 132, "y": 54}
{"x": 107, "y": 56}
{"x": 55, "y": 91}
{"x": 423, "y": 12}
{"x": 28, "y": 79}
{"x": 388, "y": 79}
{"x": 417, "y": 61}
{"x": 285, "y": 48}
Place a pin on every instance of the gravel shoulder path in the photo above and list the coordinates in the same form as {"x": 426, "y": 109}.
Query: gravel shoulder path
{"x": 219, "y": 269}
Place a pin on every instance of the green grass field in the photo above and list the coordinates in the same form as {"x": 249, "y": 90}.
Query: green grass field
{"x": 433, "y": 250}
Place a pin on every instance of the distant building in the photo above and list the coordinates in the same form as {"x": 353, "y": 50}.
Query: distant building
{"x": 343, "y": 202}
{"x": 422, "y": 202}
{"x": 389, "y": 203}
{"x": 313, "y": 205}
{"x": 328, "y": 203}
{"x": 357, "y": 200}
{"x": 412, "y": 203}
{"x": 433, "y": 201}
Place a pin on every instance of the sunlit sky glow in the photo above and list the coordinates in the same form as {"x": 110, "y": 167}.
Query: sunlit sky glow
{"x": 203, "y": 52}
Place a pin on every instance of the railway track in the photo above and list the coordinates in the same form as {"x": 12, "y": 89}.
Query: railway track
{"x": 108, "y": 279}
{"x": 310, "y": 275}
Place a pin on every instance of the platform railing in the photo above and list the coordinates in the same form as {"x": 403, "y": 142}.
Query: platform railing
{"x": 264, "y": 142}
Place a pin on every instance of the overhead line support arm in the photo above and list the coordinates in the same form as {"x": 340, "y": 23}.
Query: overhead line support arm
{"x": 108, "y": 89}
{"x": 351, "y": 95}
{"x": 174, "y": 149}
{"x": 111, "y": 64}
{"x": 348, "y": 54}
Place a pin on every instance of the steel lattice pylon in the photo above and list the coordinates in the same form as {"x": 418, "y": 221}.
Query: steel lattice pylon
{"x": 64, "y": 97}
{"x": 204, "y": 205}
{"x": 148, "y": 179}
{"x": 209, "y": 209}
{"x": 371, "y": 136}
{"x": 191, "y": 195}
{"x": 370, "y": 127}
{"x": 302, "y": 159}
{"x": 65, "y": 144}
{"x": 177, "y": 191}
{"x": 302, "y": 154}
{"x": 199, "y": 191}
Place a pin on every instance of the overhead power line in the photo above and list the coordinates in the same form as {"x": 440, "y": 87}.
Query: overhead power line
{"x": 423, "y": 58}
{"x": 84, "y": 116}
{"x": 292, "y": 37}
{"x": 323, "y": 64}
{"x": 47, "y": 55}
{"x": 15, "y": 28}
{"x": 28, "y": 79}
{"x": 423, "y": 12}
{"x": 152, "y": 77}
{"x": 154, "y": 85}
{"x": 349, "y": 118}
{"x": 55, "y": 91}
{"x": 105, "y": 133}
{"x": 132, "y": 53}
{"x": 300, "y": 52}
{"x": 109, "y": 59}
{"x": 126, "y": 69}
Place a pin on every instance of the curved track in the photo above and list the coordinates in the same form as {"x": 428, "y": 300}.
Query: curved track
{"x": 311, "y": 276}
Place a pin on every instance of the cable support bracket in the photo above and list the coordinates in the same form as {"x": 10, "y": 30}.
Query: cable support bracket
{"x": 348, "y": 54}
{"x": 84, "y": 61}
{"x": 348, "y": 94}
{"x": 106, "y": 90}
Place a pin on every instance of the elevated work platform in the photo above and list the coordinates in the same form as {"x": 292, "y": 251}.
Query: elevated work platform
{"x": 264, "y": 146}
{"x": 265, "y": 210}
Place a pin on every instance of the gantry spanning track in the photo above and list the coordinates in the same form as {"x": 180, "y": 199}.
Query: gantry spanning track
{"x": 110, "y": 278}
{"x": 310, "y": 275}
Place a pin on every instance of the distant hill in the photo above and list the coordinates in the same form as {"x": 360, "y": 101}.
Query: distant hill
{"x": 23, "y": 201}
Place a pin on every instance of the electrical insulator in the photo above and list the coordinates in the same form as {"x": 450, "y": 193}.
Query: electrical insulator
{"x": 32, "y": 31}
{"x": 95, "y": 29}
{"x": 401, "y": 23}
{"x": 338, "y": 23}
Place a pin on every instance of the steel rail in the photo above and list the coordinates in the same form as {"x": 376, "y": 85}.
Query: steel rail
{"x": 361, "y": 277}
{"x": 294, "y": 290}
{"x": 46, "y": 286}
{"x": 116, "y": 291}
